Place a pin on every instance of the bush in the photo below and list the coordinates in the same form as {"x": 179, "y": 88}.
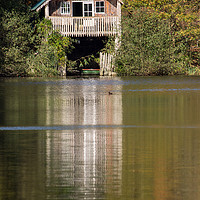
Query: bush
{"x": 43, "y": 62}
{"x": 50, "y": 55}
{"x": 30, "y": 48}
{"x": 16, "y": 42}
{"x": 148, "y": 47}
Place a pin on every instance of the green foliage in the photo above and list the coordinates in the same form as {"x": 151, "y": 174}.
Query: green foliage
{"x": 16, "y": 42}
{"x": 28, "y": 49}
{"x": 62, "y": 46}
{"x": 183, "y": 18}
{"x": 28, "y": 46}
{"x": 148, "y": 48}
{"x": 1, "y": 45}
{"x": 50, "y": 53}
{"x": 85, "y": 61}
{"x": 183, "y": 15}
{"x": 109, "y": 45}
{"x": 43, "y": 62}
{"x": 10, "y": 5}
{"x": 44, "y": 29}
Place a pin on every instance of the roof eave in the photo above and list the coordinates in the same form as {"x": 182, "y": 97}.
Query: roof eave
{"x": 40, "y": 5}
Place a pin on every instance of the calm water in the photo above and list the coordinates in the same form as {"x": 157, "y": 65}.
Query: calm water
{"x": 70, "y": 139}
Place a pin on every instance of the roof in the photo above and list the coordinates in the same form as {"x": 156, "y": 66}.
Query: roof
{"x": 42, "y": 3}
{"x": 38, "y": 4}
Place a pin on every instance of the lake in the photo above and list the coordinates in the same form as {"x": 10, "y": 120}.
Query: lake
{"x": 102, "y": 138}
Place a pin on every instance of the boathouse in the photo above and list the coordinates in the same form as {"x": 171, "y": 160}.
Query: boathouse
{"x": 83, "y": 18}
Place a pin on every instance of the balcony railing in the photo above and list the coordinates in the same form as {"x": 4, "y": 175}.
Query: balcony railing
{"x": 86, "y": 26}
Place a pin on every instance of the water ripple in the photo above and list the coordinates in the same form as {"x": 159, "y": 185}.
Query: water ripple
{"x": 74, "y": 127}
{"x": 165, "y": 90}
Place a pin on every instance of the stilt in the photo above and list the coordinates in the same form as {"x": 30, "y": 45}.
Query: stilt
{"x": 106, "y": 64}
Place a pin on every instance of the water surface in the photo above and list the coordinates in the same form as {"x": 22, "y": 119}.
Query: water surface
{"x": 100, "y": 138}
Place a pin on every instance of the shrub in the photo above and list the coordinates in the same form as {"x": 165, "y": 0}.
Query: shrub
{"x": 148, "y": 47}
{"x": 16, "y": 42}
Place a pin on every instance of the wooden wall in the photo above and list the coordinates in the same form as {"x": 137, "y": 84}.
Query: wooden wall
{"x": 110, "y": 8}
{"x": 54, "y": 8}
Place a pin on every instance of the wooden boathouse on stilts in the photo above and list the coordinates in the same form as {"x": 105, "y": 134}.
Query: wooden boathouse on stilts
{"x": 86, "y": 18}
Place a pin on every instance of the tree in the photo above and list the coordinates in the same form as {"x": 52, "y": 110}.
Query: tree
{"x": 17, "y": 41}
{"x": 28, "y": 46}
{"x": 147, "y": 46}
{"x": 16, "y": 36}
{"x": 49, "y": 58}
{"x": 182, "y": 31}
{"x": 184, "y": 15}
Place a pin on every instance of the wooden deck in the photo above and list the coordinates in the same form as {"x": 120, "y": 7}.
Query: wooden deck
{"x": 86, "y": 26}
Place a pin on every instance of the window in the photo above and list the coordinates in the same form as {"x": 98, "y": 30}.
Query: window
{"x": 100, "y": 7}
{"x": 88, "y": 10}
{"x": 64, "y": 7}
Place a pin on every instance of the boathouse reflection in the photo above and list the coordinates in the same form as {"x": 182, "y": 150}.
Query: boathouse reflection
{"x": 82, "y": 161}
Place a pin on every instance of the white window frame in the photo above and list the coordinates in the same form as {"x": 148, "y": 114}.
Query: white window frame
{"x": 86, "y": 3}
{"x": 64, "y": 7}
{"x": 99, "y": 7}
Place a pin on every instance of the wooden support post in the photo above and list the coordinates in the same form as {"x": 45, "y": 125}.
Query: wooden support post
{"x": 47, "y": 11}
{"x": 106, "y": 64}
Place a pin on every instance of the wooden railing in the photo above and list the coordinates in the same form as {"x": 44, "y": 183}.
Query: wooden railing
{"x": 86, "y": 26}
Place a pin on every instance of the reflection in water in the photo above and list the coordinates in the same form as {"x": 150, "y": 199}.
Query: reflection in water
{"x": 161, "y": 105}
{"x": 80, "y": 163}
{"x": 161, "y": 164}
{"x": 83, "y": 163}
{"x": 147, "y": 164}
{"x": 84, "y": 104}
{"x": 22, "y": 166}
{"x": 70, "y": 139}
